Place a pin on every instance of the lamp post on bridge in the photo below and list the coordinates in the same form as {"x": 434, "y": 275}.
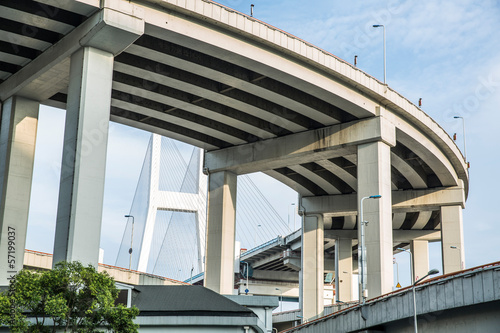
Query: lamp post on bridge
{"x": 292, "y": 204}
{"x": 362, "y": 252}
{"x": 412, "y": 278}
{"x": 131, "y": 242}
{"x": 461, "y": 262}
{"x": 246, "y": 289}
{"x": 382, "y": 26}
{"x": 465, "y": 148}
{"x": 431, "y": 272}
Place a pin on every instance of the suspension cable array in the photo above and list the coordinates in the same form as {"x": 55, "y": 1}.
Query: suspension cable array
{"x": 169, "y": 210}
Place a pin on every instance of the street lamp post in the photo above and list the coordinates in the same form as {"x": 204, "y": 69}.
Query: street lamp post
{"x": 412, "y": 278}
{"x": 292, "y": 204}
{"x": 463, "y": 126}
{"x": 383, "y": 27}
{"x": 246, "y": 289}
{"x": 461, "y": 262}
{"x": 362, "y": 251}
{"x": 131, "y": 242}
{"x": 255, "y": 235}
{"x": 431, "y": 272}
{"x": 397, "y": 271}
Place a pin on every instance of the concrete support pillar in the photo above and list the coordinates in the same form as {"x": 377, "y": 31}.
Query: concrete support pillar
{"x": 420, "y": 252}
{"x": 452, "y": 239}
{"x": 221, "y": 228}
{"x": 19, "y": 119}
{"x": 312, "y": 267}
{"x": 344, "y": 248}
{"x": 374, "y": 178}
{"x": 83, "y": 166}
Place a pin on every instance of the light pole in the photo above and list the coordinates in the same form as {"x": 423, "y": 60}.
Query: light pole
{"x": 461, "y": 262}
{"x": 431, "y": 272}
{"x": 255, "y": 235}
{"x": 131, "y": 242}
{"x": 246, "y": 289}
{"x": 412, "y": 278}
{"x": 362, "y": 252}
{"x": 281, "y": 299}
{"x": 292, "y": 204}
{"x": 397, "y": 271}
{"x": 383, "y": 26}
{"x": 463, "y": 126}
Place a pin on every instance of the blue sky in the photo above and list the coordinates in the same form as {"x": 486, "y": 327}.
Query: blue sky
{"x": 445, "y": 52}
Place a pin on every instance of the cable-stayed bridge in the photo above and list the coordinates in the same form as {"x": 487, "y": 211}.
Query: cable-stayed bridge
{"x": 167, "y": 224}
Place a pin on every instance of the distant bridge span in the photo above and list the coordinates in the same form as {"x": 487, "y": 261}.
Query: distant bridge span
{"x": 467, "y": 301}
{"x": 256, "y": 98}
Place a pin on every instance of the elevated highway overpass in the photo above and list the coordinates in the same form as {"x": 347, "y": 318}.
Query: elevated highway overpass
{"x": 256, "y": 98}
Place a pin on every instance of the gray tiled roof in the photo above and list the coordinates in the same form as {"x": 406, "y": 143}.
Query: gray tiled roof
{"x": 189, "y": 300}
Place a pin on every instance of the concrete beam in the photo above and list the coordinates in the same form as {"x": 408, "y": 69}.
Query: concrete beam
{"x": 19, "y": 119}
{"x": 402, "y": 201}
{"x": 310, "y": 146}
{"x": 398, "y": 236}
{"x": 261, "y": 260}
{"x": 428, "y": 199}
{"x": 292, "y": 277}
{"x": 293, "y": 263}
{"x": 254, "y": 105}
{"x": 249, "y": 54}
{"x": 268, "y": 288}
{"x": 429, "y": 153}
{"x": 112, "y": 29}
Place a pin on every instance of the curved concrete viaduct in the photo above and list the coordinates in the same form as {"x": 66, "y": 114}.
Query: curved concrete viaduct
{"x": 256, "y": 98}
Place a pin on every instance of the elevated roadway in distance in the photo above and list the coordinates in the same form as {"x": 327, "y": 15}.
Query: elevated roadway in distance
{"x": 466, "y": 301}
{"x": 35, "y": 260}
{"x": 256, "y": 98}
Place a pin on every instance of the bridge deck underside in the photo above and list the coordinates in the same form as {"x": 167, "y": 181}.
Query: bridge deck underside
{"x": 182, "y": 90}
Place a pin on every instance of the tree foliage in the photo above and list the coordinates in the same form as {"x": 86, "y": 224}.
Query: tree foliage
{"x": 71, "y": 297}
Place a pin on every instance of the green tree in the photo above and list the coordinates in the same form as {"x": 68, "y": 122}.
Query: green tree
{"x": 71, "y": 297}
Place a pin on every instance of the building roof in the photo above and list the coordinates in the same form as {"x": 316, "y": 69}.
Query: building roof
{"x": 185, "y": 300}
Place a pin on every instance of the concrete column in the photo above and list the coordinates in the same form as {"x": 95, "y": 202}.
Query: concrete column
{"x": 19, "y": 119}
{"x": 374, "y": 178}
{"x": 420, "y": 252}
{"x": 344, "y": 248}
{"x": 83, "y": 166}
{"x": 221, "y": 228}
{"x": 312, "y": 267}
{"x": 452, "y": 239}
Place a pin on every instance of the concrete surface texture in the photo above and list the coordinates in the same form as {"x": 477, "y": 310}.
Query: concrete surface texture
{"x": 257, "y": 99}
